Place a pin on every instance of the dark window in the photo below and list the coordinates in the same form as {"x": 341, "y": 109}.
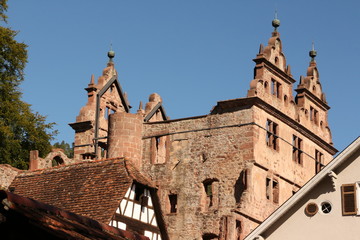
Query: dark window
{"x": 319, "y": 161}
{"x": 241, "y": 185}
{"x": 173, "y": 203}
{"x": 139, "y": 192}
{"x": 272, "y": 135}
{"x": 297, "y": 150}
{"x": 272, "y": 190}
{"x": 275, "y": 88}
{"x": 314, "y": 115}
{"x": 348, "y": 197}
{"x": 57, "y": 161}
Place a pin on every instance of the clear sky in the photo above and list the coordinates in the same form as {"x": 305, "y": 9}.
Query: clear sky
{"x": 191, "y": 52}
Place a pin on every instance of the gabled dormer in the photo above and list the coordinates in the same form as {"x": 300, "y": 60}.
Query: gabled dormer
{"x": 272, "y": 76}
{"x": 311, "y": 101}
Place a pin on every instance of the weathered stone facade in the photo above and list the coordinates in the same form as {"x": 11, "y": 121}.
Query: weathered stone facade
{"x": 218, "y": 175}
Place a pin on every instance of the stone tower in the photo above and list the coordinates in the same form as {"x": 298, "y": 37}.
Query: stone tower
{"x": 221, "y": 174}
{"x": 91, "y": 126}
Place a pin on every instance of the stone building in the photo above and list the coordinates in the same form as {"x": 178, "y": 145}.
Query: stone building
{"x": 221, "y": 174}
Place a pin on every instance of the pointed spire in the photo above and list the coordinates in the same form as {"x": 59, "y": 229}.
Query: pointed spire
{"x": 313, "y": 53}
{"x": 141, "y": 105}
{"x": 92, "y": 81}
{"x": 275, "y": 22}
{"x": 261, "y": 49}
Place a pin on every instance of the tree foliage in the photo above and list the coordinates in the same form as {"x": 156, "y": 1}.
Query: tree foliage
{"x": 21, "y": 130}
{"x": 66, "y": 147}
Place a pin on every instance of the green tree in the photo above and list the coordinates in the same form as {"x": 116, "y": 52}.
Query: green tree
{"x": 68, "y": 150}
{"x": 21, "y": 130}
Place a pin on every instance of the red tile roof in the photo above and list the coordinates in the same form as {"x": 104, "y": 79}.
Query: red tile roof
{"x": 57, "y": 222}
{"x": 93, "y": 189}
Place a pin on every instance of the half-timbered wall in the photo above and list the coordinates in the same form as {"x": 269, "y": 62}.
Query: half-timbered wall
{"x": 136, "y": 213}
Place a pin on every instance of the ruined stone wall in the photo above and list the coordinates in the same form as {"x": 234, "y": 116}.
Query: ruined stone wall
{"x": 210, "y": 149}
{"x": 7, "y": 175}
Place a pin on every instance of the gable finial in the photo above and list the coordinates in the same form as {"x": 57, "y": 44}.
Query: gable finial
{"x": 275, "y": 22}
{"x": 111, "y": 53}
{"x": 313, "y": 53}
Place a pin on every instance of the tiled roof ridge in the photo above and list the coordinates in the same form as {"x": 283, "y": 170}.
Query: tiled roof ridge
{"x": 69, "y": 166}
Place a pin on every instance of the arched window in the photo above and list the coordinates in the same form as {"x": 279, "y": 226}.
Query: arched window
{"x": 57, "y": 160}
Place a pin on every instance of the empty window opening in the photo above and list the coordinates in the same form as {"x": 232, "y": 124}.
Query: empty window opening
{"x": 275, "y": 88}
{"x": 209, "y": 236}
{"x": 57, "y": 161}
{"x": 271, "y": 135}
{"x": 314, "y": 115}
{"x": 173, "y": 203}
{"x": 211, "y": 193}
{"x": 159, "y": 149}
{"x": 238, "y": 230}
{"x": 139, "y": 192}
{"x": 319, "y": 161}
{"x": 297, "y": 152}
{"x": 241, "y": 185}
{"x": 275, "y": 191}
{"x": 272, "y": 190}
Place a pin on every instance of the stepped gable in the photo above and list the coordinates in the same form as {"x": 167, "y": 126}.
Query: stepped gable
{"x": 93, "y": 189}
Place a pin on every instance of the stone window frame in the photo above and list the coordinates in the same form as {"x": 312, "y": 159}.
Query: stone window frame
{"x": 319, "y": 161}
{"x": 157, "y": 142}
{"x": 272, "y": 139}
{"x": 276, "y": 88}
{"x": 173, "y": 203}
{"x": 211, "y": 193}
{"x": 297, "y": 152}
{"x": 272, "y": 189}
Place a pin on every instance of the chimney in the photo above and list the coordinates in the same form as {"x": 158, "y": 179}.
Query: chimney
{"x": 34, "y": 160}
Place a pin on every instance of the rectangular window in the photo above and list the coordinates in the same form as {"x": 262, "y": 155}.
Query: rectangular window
{"x": 348, "y": 197}
{"x": 297, "y": 150}
{"x": 159, "y": 149}
{"x": 314, "y": 115}
{"x": 275, "y": 88}
{"x": 271, "y": 135}
{"x": 272, "y": 190}
{"x": 319, "y": 161}
{"x": 173, "y": 203}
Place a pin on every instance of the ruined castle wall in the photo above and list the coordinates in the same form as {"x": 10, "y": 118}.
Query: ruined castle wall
{"x": 211, "y": 149}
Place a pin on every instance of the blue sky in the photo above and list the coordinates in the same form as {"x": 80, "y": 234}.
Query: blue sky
{"x": 191, "y": 52}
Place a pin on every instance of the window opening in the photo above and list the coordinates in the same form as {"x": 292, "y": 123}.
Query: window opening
{"x": 241, "y": 185}
{"x": 271, "y": 135}
{"x": 297, "y": 150}
{"x": 173, "y": 203}
{"x": 326, "y": 207}
{"x": 348, "y": 197}
{"x": 319, "y": 161}
{"x": 211, "y": 192}
{"x": 275, "y": 88}
{"x": 57, "y": 161}
{"x": 272, "y": 190}
{"x": 275, "y": 189}
{"x": 314, "y": 115}
{"x": 139, "y": 192}
{"x": 238, "y": 229}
